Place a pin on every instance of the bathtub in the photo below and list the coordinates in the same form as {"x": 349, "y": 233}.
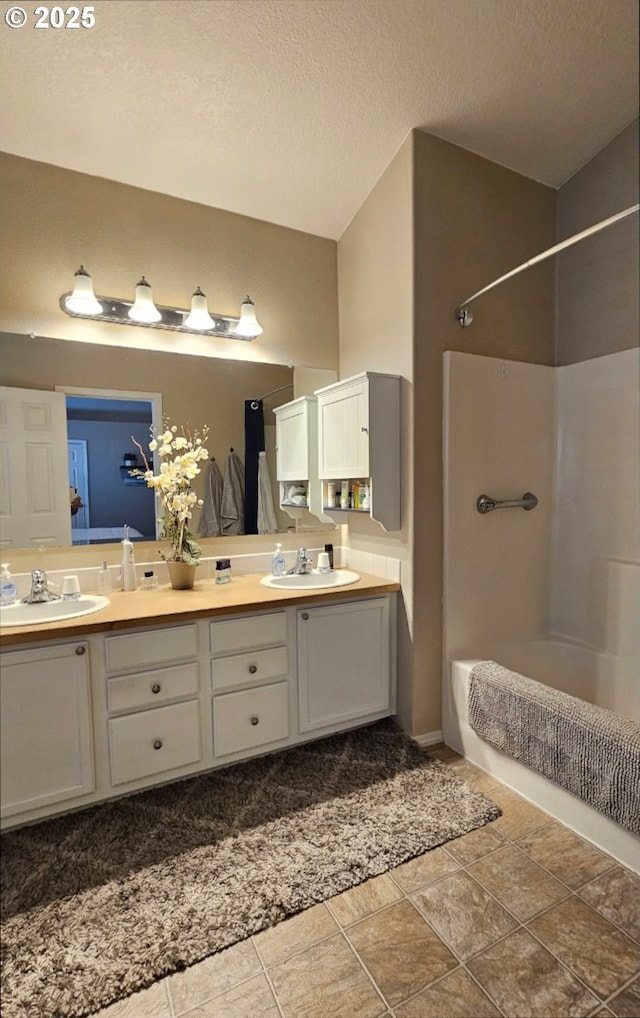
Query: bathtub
{"x": 578, "y": 671}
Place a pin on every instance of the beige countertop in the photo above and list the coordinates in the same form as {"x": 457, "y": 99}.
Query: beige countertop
{"x": 141, "y": 608}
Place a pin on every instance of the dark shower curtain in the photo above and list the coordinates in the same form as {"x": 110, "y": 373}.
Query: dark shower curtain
{"x": 253, "y": 445}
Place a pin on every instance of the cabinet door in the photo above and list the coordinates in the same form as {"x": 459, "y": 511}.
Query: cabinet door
{"x": 46, "y": 727}
{"x": 343, "y": 432}
{"x": 343, "y": 663}
{"x": 292, "y": 443}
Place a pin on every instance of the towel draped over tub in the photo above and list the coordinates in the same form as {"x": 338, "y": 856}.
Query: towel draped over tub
{"x": 587, "y": 750}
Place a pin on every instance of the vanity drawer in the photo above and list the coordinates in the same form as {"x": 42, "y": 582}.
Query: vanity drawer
{"x": 154, "y": 741}
{"x": 140, "y": 650}
{"x": 254, "y": 717}
{"x": 243, "y": 634}
{"x": 150, "y": 689}
{"x": 230, "y": 672}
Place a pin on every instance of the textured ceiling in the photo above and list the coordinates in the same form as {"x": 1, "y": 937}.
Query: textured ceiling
{"x": 290, "y": 110}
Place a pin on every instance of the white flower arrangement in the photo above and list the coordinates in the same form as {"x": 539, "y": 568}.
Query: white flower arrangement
{"x": 179, "y": 455}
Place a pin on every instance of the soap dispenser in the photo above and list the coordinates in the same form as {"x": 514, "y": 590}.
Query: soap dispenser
{"x": 128, "y": 573}
{"x": 8, "y": 589}
{"x": 277, "y": 562}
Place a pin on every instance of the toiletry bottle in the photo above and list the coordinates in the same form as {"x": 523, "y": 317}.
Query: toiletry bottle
{"x": 129, "y": 581}
{"x": 329, "y": 550}
{"x": 223, "y": 570}
{"x": 331, "y": 494}
{"x": 8, "y": 589}
{"x": 149, "y": 580}
{"x": 277, "y": 562}
{"x": 104, "y": 579}
{"x": 344, "y": 495}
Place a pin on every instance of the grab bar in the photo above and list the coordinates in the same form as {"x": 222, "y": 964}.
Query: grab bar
{"x": 486, "y": 504}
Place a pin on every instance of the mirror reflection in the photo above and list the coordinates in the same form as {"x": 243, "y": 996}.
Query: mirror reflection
{"x": 111, "y": 394}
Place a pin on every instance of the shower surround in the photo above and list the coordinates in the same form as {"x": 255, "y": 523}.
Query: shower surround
{"x": 565, "y": 576}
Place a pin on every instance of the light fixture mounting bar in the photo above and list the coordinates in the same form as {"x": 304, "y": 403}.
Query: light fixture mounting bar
{"x": 117, "y": 312}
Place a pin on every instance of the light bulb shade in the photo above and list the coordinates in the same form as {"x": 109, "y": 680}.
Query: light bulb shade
{"x": 248, "y": 326}
{"x": 143, "y": 308}
{"x": 199, "y": 318}
{"x": 83, "y": 300}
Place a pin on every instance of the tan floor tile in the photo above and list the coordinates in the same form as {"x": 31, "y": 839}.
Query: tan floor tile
{"x": 626, "y": 1004}
{"x": 518, "y": 882}
{"x": 360, "y": 901}
{"x": 475, "y": 845}
{"x": 212, "y": 976}
{"x": 475, "y": 777}
{"x": 423, "y": 870}
{"x": 455, "y": 996}
{"x": 616, "y": 894}
{"x": 518, "y": 817}
{"x": 588, "y": 944}
{"x": 400, "y": 951}
{"x": 296, "y": 934}
{"x": 565, "y": 854}
{"x": 527, "y": 982}
{"x": 151, "y": 1003}
{"x": 252, "y": 999}
{"x": 463, "y": 914}
{"x": 326, "y": 981}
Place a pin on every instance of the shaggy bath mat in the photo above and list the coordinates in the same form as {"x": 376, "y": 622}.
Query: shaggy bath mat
{"x": 101, "y": 903}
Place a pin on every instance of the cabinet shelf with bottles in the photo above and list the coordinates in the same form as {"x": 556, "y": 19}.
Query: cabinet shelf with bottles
{"x": 359, "y": 442}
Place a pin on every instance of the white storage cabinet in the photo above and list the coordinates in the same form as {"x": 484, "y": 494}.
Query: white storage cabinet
{"x": 251, "y": 685}
{"x": 359, "y": 440}
{"x": 45, "y": 745}
{"x": 297, "y": 456}
{"x": 344, "y": 664}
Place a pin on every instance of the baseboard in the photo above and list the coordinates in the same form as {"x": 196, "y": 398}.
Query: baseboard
{"x": 429, "y": 738}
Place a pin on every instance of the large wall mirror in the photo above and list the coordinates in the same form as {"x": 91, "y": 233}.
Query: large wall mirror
{"x": 111, "y": 393}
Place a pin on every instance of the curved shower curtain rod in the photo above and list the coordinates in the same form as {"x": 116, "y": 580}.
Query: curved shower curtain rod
{"x": 465, "y": 317}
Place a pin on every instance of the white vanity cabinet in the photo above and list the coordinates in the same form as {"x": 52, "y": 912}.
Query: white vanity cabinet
{"x": 251, "y": 684}
{"x": 45, "y": 744}
{"x": 297, "y": 457}
{"x": 359, "y": 440}
{"x": 125, "y": 710}
{"x": 154, "y": 712}
{"x": 344, "y": 664}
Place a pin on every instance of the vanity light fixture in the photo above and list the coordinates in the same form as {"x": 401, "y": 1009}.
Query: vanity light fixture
{"x": 82, "y": 303}
{"x": 199, "y": 318}
{"x": 144, "y": 310}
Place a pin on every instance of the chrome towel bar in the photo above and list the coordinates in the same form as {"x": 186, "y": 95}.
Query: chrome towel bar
{"x": 486, "y": 505}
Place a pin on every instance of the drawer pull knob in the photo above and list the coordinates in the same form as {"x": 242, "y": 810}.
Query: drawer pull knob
{"x": 253, "y": 669}
{"x": 157, "y": 743}
{"x": 156, "y": 687}
{"x": 81, "y": 650}
{"x": 305, "y": 616}
{"x": 255, "y": 720}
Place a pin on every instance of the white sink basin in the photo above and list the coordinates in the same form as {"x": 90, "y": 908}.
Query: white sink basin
{"x": 51, "y": 611}
{"x": 311, "y": 581}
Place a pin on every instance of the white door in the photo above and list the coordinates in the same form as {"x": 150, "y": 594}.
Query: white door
{"x": 79, "y": 479}
{"x": 344, "y": 670}
{"x": 343, "y": 432}
{"x": 292, "y": 442}
{"x": 34, "y": 489}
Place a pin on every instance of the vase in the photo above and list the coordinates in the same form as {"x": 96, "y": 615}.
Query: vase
{"x": 182, "y": 575}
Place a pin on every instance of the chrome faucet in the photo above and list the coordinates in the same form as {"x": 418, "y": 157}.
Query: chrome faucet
{"x": 39, "y": 592}
{"x": 303, "y": 564}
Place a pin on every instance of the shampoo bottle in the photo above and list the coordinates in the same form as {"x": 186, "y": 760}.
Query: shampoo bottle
{"x": 128, "y": 563}
{"x": 277, "y": 562}
{"x": 8, "y": 589}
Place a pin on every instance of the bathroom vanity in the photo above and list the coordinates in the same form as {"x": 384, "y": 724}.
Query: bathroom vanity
{"x": 164, "y": 684}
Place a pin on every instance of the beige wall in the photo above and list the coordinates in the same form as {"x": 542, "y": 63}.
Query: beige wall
{"x": 473, "y": 221}
{"x": 597, "y": 280}
{"x": 54, "y": 219}
{"x": 375, "y": 272}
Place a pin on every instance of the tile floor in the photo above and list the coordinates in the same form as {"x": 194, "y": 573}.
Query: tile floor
{"x": 519, "y": 918}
